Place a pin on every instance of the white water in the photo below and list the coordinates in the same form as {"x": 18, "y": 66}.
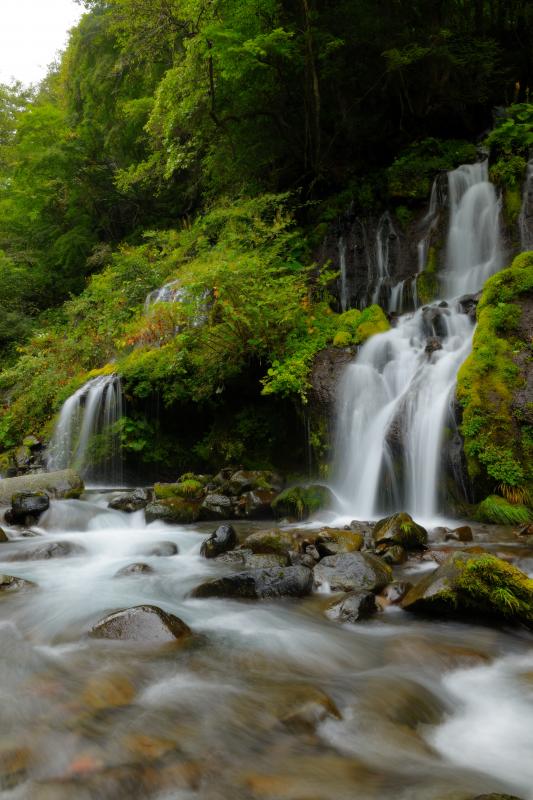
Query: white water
{"x": 415, "y": 723}
{"x": 395, "y": 398}
{"x": 174, "y": 292}
{"x": 344, "y": 281}
{"x": 92, "y": 411}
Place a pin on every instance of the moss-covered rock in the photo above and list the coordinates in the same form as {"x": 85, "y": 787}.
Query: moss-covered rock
{"x": 189, "y": 488}
{"x": 274, "y": 541}
{"x": 494, "y": 387}
{"x": 474, "y": 583}
{"x": 499, "y": 511}
{"x": 175, "y": 510}
{"x": 331, "y": 541}
{"x": 400, "y": 529}
{"x": 299, "y": 502}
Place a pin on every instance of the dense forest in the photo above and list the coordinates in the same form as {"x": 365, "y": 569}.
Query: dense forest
{"x": 215, "y": 143}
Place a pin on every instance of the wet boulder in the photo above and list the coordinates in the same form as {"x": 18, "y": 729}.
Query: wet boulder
{"x": 299, "y": 502}
{"x": 216, "y": 506}
{"x": 188, "y": 488}
{"x": 265, "y": 560}
{"x": 399, "y": 529}
{"x": 173, "y": 510}
{"x": 331, "y": 541}
{"x": 348, "y": 572}
{"x": 256, "y": 504}
{"x": 47, "y": 551}
{"x": 3, "y": 536}
{"x": 472, "y": 583}
{"x": 259, "y": 584}
{"x": 27, "y": 507}
{"x": 435, "y": 321}
{"x": 305, "y": 707}
{"x": 272, "y": 541}
{"x": 138, "y": 568}
{"x": 131, "y": 501}
{"x": 243, "y": 481}
{"x": 353, "y": 607}
{"x": 63, "y": 484}
{"x": 11, "y": 583}
{"x": 468, "y": 305}
{"x": 222, "y": 540}
{"x": 394, "y": 555}
{"x": 461, "y": 534}
{"x": 146, "y": 624}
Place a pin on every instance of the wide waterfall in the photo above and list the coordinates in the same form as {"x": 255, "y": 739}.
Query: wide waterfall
{"x": 395, "y": 401}
{"x": 86, "y": 435}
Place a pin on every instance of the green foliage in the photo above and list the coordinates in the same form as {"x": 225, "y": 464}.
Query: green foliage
{"x": 499, "y": 511}
{"x": 413, "y": 172}
{"x": 189, "y": 488}
{"x": 299, "y": 502}
{"x": 512, "y": 135}
{"x": 497, "y": 443}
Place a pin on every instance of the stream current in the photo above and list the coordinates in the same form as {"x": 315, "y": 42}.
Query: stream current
{"x": 268, "y": 700}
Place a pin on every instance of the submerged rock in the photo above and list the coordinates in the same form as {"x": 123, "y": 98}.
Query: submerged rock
{"x": 11, "y": 583}
{"x": 305, "y": 708}
{"x": 352, "y": 607}
{"x": 222, "y": 540}
{"x": 131, "y": 501}
{"x": 349, "y": 572}
{"x": 45, "y": 551}
{"x": 147, "y": 623}
{"x": 400, "y": 529}
{"x": 134, "y": 569}
{"x": 395, "y": 592}
{"x": 27, "y": 507}
{"x": 299, "y": 502}
{"x": 259, "y": 584}
{"x": 331, "y": 541}
{"x": 163, "y": 549}
{"x": 461, "y": 534}
{"x": 474, "y": 583}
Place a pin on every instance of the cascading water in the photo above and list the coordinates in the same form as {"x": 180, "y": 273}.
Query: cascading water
{"x": 86, "y": 435}
{"x": 343, "y": 276}
{"x": 395, "y": 398}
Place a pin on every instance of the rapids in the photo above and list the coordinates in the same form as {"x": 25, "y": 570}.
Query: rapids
{"x": 418, "y": 710}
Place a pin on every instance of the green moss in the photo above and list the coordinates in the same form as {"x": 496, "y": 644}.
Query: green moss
{"x": 492, "y": 585}
{"x": 497, "y": 442}
{"x": 499, "y": 511}
{"x": 299, "y": 502}
{"x": 400, "y": 529}
{"x": 186, "y": 489}
{"x": 371, "y": 322}
{"x": 342, "y": 339}
{"x": 427, "y": 282}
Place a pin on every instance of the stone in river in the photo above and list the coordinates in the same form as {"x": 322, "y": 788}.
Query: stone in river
{"x": 46, "y": 551}
{"x": 163, "y": 549}
{"x": 353, "y": 607}
{"x": 11, "y": 583}
{"x": 259, "y": 584}
{"x": 349, "y": 572}
{"x": 131, "y": 501}
{"x": 134, "y": 569}
{"x": 145, "y": 624}
{"x": 222, "y": 540}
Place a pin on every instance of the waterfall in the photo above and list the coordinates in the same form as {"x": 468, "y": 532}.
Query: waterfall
{"x": 395, "y": 398}
{"x": 525, "y": 220}
{"x": 174, "y": 292}
{"x": 86, "y": 435}
{"x": 383, "y": 234}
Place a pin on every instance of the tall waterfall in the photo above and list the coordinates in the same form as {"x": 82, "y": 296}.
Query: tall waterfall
{"x": 86, "y": 435}
{"x": 395, "y": 398}
{"x": 525, "y": 220}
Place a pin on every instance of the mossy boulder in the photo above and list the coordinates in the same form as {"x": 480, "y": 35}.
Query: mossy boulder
{"x": 477, "y": 584}
{"x": 331, "y": 541}
{"x": 299, "y": 502}
{"x": 63, "y": 484}
{"x": 191, "y": 488}
{"x": 175, "y": 510}
{"x": 274, "y": 541}
{"x": 498, "y": 510}
{"x": 399, "y": 529}
{"x": 248, "y": 480}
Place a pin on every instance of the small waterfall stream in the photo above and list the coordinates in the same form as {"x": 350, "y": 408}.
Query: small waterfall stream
{"x": 86, "y": 435}
{"x": 395, "y": 398}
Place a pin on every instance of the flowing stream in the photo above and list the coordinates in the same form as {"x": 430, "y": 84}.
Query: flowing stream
{"x": 395, "y": 399}
{"x": 393, "y": 708}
